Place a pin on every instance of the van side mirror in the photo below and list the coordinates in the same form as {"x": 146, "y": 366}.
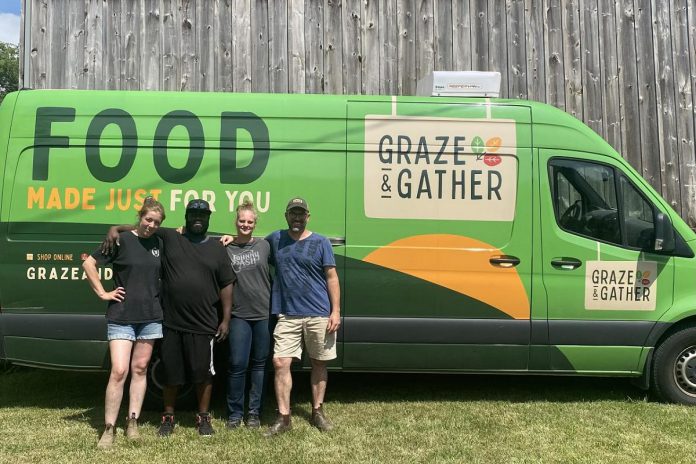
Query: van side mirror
{"x": 664, "y": 234}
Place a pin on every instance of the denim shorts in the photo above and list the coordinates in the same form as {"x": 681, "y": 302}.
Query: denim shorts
{"x": 133, "y": 332}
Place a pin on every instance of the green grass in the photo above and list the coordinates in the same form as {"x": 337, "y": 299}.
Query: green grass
{"x": 50, "y": 416}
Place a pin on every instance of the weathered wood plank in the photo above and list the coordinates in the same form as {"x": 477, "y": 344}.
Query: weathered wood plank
{"x": 151, "y": 55}
{"x": 516, "y": 49}
{"x": 425, "y": 42}
{"x": 74, "y": 51}
{"x": 406, "y": 14}
{"x": 188, "y": 59}
{"x": 223, "y": 38}
{"x": 94, "y": 37}
{"x": 572, "y": 57}
{"x": 296, "y": 46}
{"x": 649, "y": 133}
{"x": 461, "y": 36}
{"x": 684, "y": 114}
{"x": 591, "y": 68}
{"x": 497, "y": 39}
{"x": 131, "y": 35}
{"x": 389, "y": 38}
{"x": 333, "y": 50}
{"x": 553, "y": 54}
{"x": 278, "y": 46}
{"x": 628, "y": 83}
{"x": 241, "y": 46}
{"x": 113, "y": 57}
{"x": 171, "y": 45}
{"x": 40, "y": 43}
{"x": 352, "y": 49}
{"x": 688, "y": 160}
{"x": 370, "y": 47}
{"x": 314, "y": 46}
{"x": 21, "y": 84}
{"x": 666, "y": 104}
{"x": 536, "y": 65}
{"x": 206, "y": 44}
{"x": 609, "y": 70}
{"x": 479, "y": 35}
{"x": 259, "y": 46}
{"x": 443, "y": 35}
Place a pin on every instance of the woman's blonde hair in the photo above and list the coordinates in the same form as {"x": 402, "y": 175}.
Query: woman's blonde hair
{"x": 150, "y": 204}
{"x": 247, "y": 205}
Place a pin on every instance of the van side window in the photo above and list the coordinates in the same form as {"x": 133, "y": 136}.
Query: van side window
{"x": 592, "y": 200}
{"x": 585, "y": 199}
{"x": 637, "y": 216}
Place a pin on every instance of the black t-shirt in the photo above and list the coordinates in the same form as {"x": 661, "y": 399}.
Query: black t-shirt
{"x": 136, "y": 264}
{"x": 192, "y": 276}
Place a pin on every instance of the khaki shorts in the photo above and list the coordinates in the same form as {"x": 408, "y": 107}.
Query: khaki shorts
{"x": 291, "y": 330}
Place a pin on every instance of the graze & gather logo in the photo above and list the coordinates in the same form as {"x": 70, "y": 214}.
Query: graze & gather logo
{"x": 440, "y": 168}
{"x": 627, "y": 285}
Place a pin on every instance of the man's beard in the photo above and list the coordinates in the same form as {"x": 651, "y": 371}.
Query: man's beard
{"x": 193, "y": 229}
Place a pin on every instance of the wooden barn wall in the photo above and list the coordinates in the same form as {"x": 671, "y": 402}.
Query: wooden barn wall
{"x": 627, "y": 68}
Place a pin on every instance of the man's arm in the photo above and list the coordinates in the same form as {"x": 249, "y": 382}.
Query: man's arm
{"x": 226, "y": 301}
{"x": 111, "y": 240}
{"x": 334, "y": 288}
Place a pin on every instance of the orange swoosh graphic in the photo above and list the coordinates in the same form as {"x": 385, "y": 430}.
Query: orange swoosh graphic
{"x": 460, "y": 264}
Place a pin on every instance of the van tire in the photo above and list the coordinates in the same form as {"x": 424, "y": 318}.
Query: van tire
{"x": 674, "y": 367}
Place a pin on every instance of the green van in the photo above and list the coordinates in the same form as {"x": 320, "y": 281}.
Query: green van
{"x": 471, "y": 234}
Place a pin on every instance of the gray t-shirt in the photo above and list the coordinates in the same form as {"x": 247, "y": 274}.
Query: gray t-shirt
{"x": 252, "y": 290}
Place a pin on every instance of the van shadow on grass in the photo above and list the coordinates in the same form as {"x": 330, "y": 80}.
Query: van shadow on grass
{"x": 26, "y": 387}
{"x": 367, "y": 387}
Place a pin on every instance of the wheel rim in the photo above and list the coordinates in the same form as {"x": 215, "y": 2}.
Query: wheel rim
{"x": 685, "y": 371}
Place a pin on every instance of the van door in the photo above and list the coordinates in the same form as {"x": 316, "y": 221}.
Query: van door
{"x": 438, "y": 236}
{"x": 604, "y": 288}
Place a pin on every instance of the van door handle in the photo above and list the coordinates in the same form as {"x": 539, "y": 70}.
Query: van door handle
{"x": 504, "y": 261}
{"x": 337, "y": 241}
{"x": 566, "y": 264}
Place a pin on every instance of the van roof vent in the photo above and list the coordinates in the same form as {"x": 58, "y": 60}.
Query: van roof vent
{"x": 460, "y": 84}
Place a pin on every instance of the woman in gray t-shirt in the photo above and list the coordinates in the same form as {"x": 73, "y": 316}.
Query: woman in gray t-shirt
{"x": 250, "y": 332}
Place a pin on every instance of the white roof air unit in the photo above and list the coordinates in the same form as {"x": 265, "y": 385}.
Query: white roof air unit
{"x": 460, "y": 84}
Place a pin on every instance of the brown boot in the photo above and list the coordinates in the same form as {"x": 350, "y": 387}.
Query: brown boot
{"x": 108, "y": 437}
{"x": 282, "y": 424}
{"x": 132, "y": 428}
{"x": 320, "y": 421}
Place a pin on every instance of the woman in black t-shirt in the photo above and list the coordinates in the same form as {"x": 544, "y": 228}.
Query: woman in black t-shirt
{"x": 134, "y": 314}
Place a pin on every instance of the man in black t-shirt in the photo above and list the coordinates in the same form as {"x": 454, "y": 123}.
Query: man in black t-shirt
{"x": 197, "y": 279}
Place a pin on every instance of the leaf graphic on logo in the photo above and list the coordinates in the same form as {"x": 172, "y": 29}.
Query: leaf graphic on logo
{"x": 493, "y": 144}
{"x": 477, "y": 145}
{"x": 646, "y": 274}
{"x": 639, "y": 275}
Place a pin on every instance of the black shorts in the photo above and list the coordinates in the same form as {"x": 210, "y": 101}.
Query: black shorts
{"x": 186, "y": 357}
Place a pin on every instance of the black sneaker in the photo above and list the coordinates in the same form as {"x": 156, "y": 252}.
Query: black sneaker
{"x": 253, "y": 421}
{"x": 167, "y": 425}
{"x": 203, "y": 424}
{"x": 233, "y": 424}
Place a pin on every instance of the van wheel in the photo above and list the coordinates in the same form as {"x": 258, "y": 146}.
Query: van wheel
{"x": 186, "y": 396}
{"x": 674, "y": 373}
